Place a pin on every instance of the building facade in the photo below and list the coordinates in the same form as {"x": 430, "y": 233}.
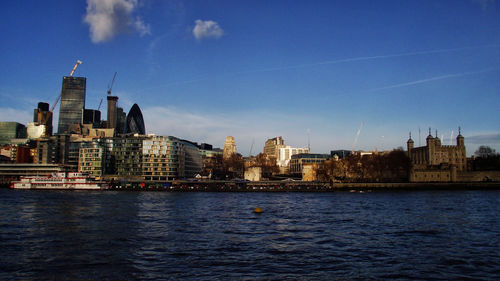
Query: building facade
{"x": 43, "y": 117}
{"x": 126, "y": 152}
{"x": 52, "y": 150}
{"x": 435, "y": 162}
{"x": 298, "y": 161}
{"x": 11, "y": 130}
{"x": 285, "y": 155}
{"x": 169, "y": 158}
{"x": 229, "y": 147}
{"x": 72, "y": 102}
{"x": 272, "y": 146}
{"x": 92, "y": 158}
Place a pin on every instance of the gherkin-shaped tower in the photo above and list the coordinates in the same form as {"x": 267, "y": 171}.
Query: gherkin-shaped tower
{"x": 135, "y": 122}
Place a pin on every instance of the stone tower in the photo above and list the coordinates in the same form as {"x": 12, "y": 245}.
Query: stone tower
{"x": 229, "y": 147}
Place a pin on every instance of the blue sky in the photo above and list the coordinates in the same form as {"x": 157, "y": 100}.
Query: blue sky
{"x": 204, "y": 70}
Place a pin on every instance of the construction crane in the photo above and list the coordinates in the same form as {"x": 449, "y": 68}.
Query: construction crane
{"x": 99, "y": 107}
{"x": 111, "y": 85}
{"x": 78, "y": 62}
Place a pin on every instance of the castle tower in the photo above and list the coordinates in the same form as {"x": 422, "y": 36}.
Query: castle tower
{"x": 409, "y": 145}
{"x": 461, "y": 159}
{"x": 460, "y": 138}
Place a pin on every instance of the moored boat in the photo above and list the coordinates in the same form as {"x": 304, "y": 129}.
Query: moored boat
{"x": 60, "y": 181}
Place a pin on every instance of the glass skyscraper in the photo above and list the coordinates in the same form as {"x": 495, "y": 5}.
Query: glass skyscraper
{"x": 135, "y": 122}
{"x": 72, "y": 102}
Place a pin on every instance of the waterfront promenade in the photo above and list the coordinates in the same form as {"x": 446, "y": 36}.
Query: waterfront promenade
{"x": 291, "y": 186}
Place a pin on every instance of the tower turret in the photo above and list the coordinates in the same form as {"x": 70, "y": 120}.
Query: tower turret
{"x": 410, "y": 143}
{"x": 460, "y": 138}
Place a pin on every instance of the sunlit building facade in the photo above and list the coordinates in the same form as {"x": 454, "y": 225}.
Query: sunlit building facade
{"x": 168, "y": 158}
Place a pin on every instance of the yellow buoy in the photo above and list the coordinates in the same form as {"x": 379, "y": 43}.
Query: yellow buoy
{"x": 257, "y": 210}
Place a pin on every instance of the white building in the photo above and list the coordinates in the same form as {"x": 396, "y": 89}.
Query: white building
{"x": 284, "y": 156}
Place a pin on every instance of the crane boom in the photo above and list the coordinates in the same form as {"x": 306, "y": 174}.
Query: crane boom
{"x": 99, "y": 107}
{"x": 111, "y": 85}
{"x": 78, "y": 62}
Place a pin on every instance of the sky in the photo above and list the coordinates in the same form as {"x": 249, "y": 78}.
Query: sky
{"x": 330, "y": 74}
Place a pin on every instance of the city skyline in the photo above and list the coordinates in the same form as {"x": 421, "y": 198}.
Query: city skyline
{"x": 341, "y": 75}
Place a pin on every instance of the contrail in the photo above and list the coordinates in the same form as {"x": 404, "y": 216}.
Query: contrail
{"x": 330, "y": 62}
{"x": 369, "y": 58}
{"x": 434, "y": 79}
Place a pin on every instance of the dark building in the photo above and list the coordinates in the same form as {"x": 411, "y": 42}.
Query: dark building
{"x": 53, "y": 150}
{"x": 121, "y": 117}
{"x": 206, "y": 146}
{"x": 72, "y": 102}
{"x": 111, "y": 121}
{"x": 43, "y": 116}
{"x": 299, "y": 160}
{"x": 341, "y": 153}
{"x": 135, "y": 122}
{"x": 92, "y": 116}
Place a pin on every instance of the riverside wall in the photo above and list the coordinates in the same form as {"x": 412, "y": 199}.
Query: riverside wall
{"x": 293, "y": 186}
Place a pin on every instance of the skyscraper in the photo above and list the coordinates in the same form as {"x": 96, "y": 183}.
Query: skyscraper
{"x": 111, "y": 121}
{"x": 72, "y": 102}
{"x": 135, "y": 122}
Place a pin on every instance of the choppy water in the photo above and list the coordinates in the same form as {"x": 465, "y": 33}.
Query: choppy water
{"x": 160, "y": 235}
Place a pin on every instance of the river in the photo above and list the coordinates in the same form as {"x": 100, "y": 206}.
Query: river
{"x": 81, "y": 235}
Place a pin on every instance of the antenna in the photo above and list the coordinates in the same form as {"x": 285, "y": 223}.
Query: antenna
{"x": 419, "y": 138}
{"x": 309, "y": 139}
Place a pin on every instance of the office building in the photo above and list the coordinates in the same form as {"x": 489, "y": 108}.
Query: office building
{"x": 272, "y": 146}
{"x": 72, "y": 102}
{"x": 169, "y": 158}
{"x": 92, "y": 116}
{"x": 92, "y": 158}
{"x": 135, "y": 122}
{"x": 285, "y": 154}
{"x": 52, "y": 150}
{"x": 42, "y": 121}
{"x": 126, "y": 154}
{"x": 298, "y": 161}
{"x": 112, "y": 116}
{"x": 11, "y": 130}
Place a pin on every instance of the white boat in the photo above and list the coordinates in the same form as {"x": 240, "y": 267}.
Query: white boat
{"x": 60, "y": 181}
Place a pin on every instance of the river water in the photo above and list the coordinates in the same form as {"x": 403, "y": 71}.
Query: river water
{"x": 308, "y": 236}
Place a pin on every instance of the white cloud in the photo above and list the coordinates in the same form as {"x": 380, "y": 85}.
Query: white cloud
{"x": 108, "y": 18}
{"x": 141, "y": 27}
{"x": 207, "y": 29}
